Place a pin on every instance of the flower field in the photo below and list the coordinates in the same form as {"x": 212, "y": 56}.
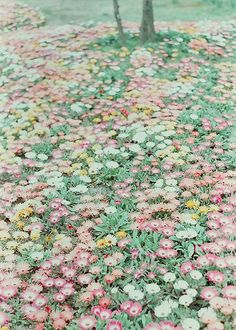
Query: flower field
{"x": 118, "y": 178}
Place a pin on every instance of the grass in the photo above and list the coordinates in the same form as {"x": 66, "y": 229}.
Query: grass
{"x": 60, "y": 12}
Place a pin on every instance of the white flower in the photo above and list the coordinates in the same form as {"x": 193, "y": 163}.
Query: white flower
{"x": 140, "y": 137}
{"x": 159, "y": 183}
{"x": 195, "y": 274}
{"x": 191, "y": 292}
{"x": 159, "y": 138}
{"x": 112, "y": 165}
{"x": 111, "y": 239}
{"x": 110, "y": 151}
{"x": 169, "y": 277}
{"x": 110, "y": 209}
{"x": 136, "y": 294}
{"x": 161, "y": 146}
{"x": 128, "y": 288}
{"x": 85, "y": 178}
{"x": 95, "y": 167}
{"x": 193, "y": 116}
{"x": 77, "y": 107}
{"x": 191, "y": 233}
{"x": 80, "y": 188}
{"x": 169, "y": 303}
{"x": 185, "y": 300}
{"x": 158, "y": 128}
{"x": 171, "y": 188}
{"x": 207, "y": 313}
{"x": 171, "y": 182}
{"x": 114, "y": 290}
{"x": 168, "y": 133}
{"x": 150, "y": 144}
{"x": 152, "y": 288}
{"x": 30, "y": 155}
{"x": 190, "y": 324}
{"x": 181, "y": 285}
{"x": 37, "y": 255}
{"x": 162, "y": 311}
{"x": 42, "y": 156}
{"x": 135, "y": 148}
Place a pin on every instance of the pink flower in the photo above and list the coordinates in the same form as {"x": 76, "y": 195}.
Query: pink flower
{"x": 125, "y": 306}
{"x": 84, "y": 279}
{"x": 166, "y": 243}
{"x": 114, "y": 325}
{"x": 215, "y": 276}
{"x": 59, "y": 324}
{"x": 105, "y": 314}
{"x": 187, "y": 267}
{"x": 134, "y": 310}
{"x": 215, "y": 326}
{"x": 152, "y": 326}
{"x": 40, "y": 301}
{"x": 229, "y": 291}
{"x": 167, "y": 325}
{"x": 9, "y": 292}
{"x": 216, "y": 199}
{"x": 59, "y": 297}
{"x": 29, "y": 295}
{"x": 208, "y": 293}
{"x": 4, "y": 318}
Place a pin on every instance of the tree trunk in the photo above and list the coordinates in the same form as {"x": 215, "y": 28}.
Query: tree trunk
{"x": 147, "y": 30}
{"x": 118, "y": 21}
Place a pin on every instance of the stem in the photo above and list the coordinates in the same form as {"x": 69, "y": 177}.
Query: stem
{"x": 118, "y": 21}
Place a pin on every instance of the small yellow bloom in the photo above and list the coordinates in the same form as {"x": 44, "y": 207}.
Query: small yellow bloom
{"x": 195, "y": 216}
{"x": 20, "y": 224}
{"x": 213, "y": 207}
{"x": 203, "y": 209}
{"x": 90, "y": 160}
{"x": 121, "y": 234}
{"x": 192, "y": 204}
{"x": 83, "y": 172}
{"x": 96, "y": 120}
{"x": 101, "y": 243}
{"x": 97, "y": 147}
{"x": 84, "y": 155}
{"x": 25, "y": 212}
{"x": 35, "y": 235}
{"x": 48, "y": 238}
{"x": 106, "y": 118}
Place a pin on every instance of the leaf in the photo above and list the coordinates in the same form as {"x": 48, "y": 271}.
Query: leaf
{"x": 190, "y": 250}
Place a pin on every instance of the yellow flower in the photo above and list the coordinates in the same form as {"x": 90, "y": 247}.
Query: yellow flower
{"x": 84, "y": 155}
{"x": 106, "y": 118}
{"x": 195, "y": 216}
{"x": 35, "y": 235}
{"x": 48, "y": 238}
{"x": 90, "y": 160}
{"x": 25, "y": 212}
{"x": 83, "y": 172}
{"x": 96, "y": 120}
{"x": 192, "y": 204}
{"x": 121, "y": 234}
{"x": 75, "y": 166}
{"x": 4, "y": 328}
{"x": 101, "y": 243}
{"x": 96, "y": 147}
{"x": 59, "y": 237}
{"x": 213, "y": 207}
{"x": 20, "y": 224}
{"x": 203, "y": 209}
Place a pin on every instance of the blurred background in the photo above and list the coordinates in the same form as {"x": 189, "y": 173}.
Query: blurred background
{"x": 59, "y": 12}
